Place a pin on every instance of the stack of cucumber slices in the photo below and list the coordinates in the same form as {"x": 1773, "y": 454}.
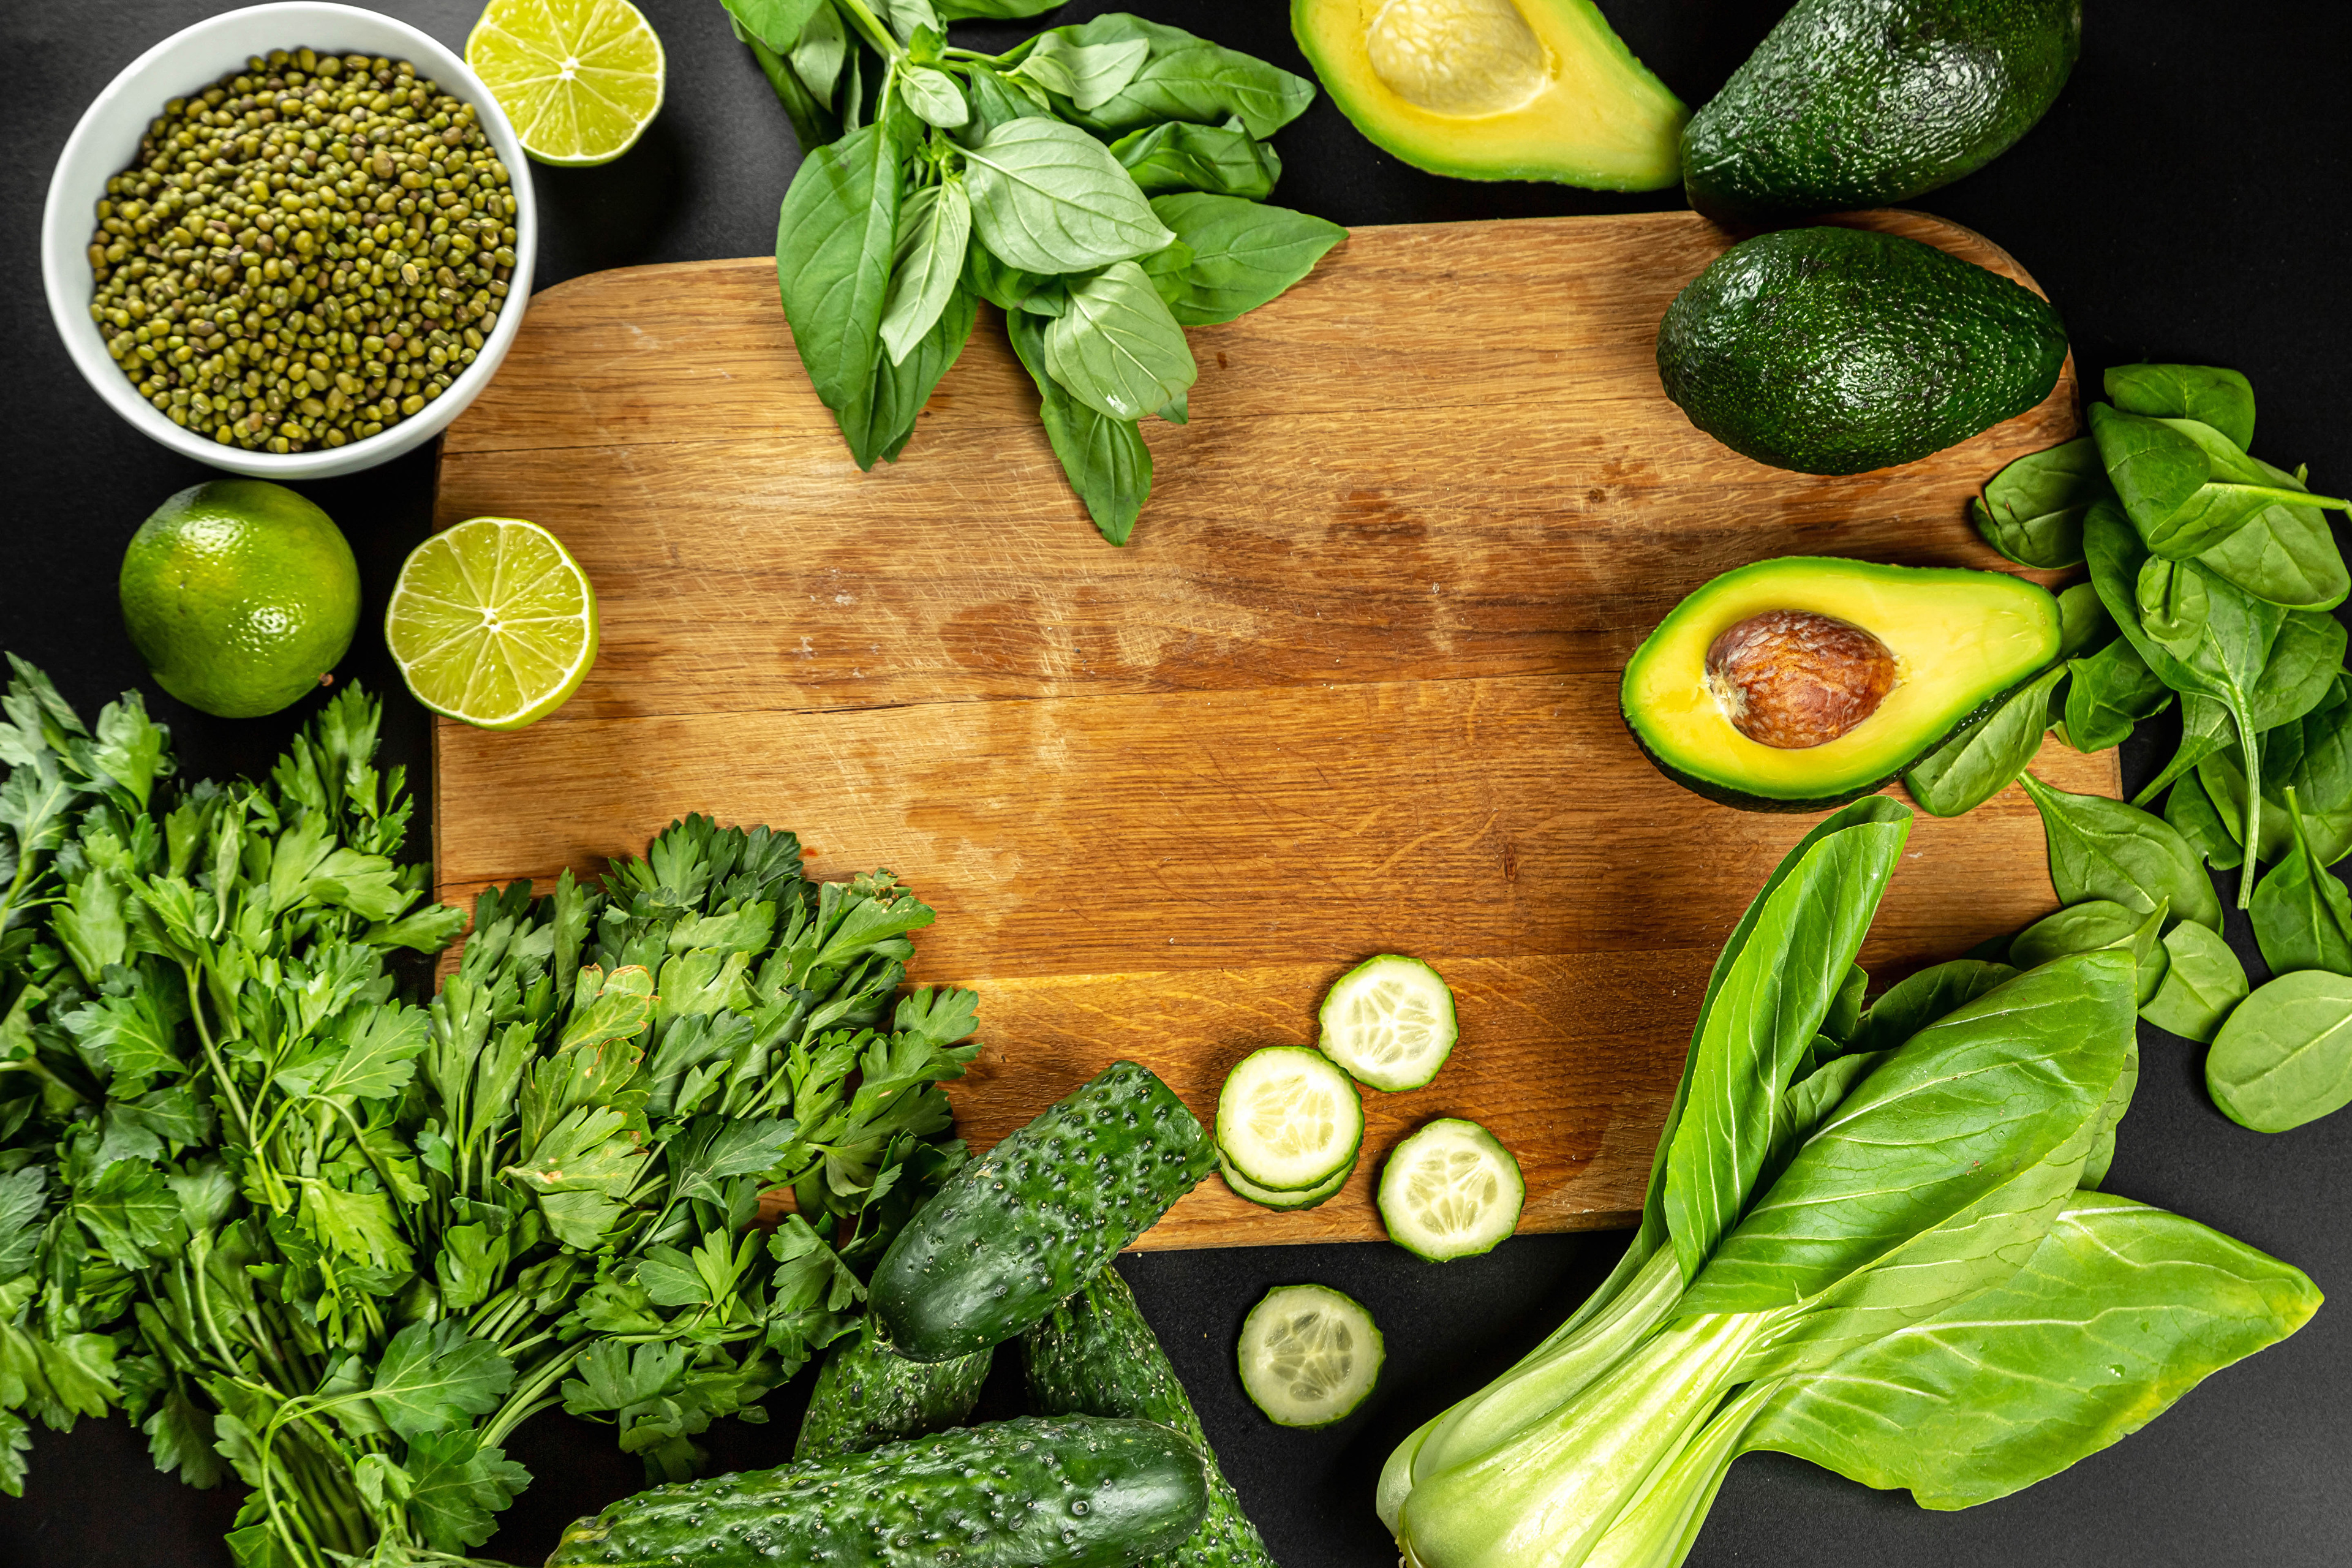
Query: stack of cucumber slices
{"x": 1291, "y": 1121}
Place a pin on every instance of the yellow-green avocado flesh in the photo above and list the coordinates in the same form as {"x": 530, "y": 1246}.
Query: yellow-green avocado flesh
{"x": 1496, "y": 89}
{"x": 1961, "y": 640}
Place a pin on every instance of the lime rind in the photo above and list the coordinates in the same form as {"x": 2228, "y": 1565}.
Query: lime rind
{"x": 580, "y": 79}
{"x": 492, "y": 623}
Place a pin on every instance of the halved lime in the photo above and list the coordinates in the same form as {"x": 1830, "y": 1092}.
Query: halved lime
{"x": 580, "y": 78}
{"x": 492, "y": 621}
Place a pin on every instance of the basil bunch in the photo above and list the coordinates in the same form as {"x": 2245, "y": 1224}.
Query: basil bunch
{"x": 1871, "y": 1238}
{"x": 1098, "y": 184}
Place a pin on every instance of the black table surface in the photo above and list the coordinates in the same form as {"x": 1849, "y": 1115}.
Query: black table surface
{"x": 2184, "y": 201}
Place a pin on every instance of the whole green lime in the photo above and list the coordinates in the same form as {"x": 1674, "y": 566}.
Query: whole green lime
{"x": 240, "y": 595}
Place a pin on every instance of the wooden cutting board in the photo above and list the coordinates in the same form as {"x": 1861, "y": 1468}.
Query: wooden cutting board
{"x": 1352, "y": 689}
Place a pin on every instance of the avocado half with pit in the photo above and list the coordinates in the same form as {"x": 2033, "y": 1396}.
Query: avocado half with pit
{"x": 1801, "y": 683}
{"x": 1496, "y": 89}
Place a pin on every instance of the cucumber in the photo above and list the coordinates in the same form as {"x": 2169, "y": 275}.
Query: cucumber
{"x": 1095, "y": 1355}
{"x": 1309, "y": 1355}
{"x": 866, "y": 1395}
{"x": 1450, "y": 1191}
{"x": 1389, "y": 1021}
{"x": 1267, "y": 1197}
{"x": 1030, "y": 1221}
{"x": 1288, "y": 1120}
{"x": 1072, "y": 1492}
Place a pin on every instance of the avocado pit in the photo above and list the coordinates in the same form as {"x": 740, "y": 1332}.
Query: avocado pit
{"x": 1795, "y": 679}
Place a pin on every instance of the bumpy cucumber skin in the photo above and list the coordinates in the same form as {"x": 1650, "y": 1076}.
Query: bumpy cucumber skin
{"x": 866, "y": 1395}
{"x": 1069, "y": 1493}
{"x": 1026, "y": 1224}
{"x": 1095, "y": 1355}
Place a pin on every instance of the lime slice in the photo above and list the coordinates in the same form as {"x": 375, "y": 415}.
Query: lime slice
{"x": 580, "y": 78}
{"x": 492, "y": 621}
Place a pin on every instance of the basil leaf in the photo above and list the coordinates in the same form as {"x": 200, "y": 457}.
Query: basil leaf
{"x": 2203, "y": 983}
{"x": 1773, "y": 999}
{"x": 1106, "y": 460}
{"x": 1242, "y": 254}
{"x": 1981, "y": 761}
{"x": 2032, "y": 509}
{"x": 813, "y": 124}
{"x": 775, "y": 22}
{"x": 1116, "y": 349}
{"x": 2301, "y": 915}
{"x": 1223, "y": 160}
{"x": 884, "y": 422}
{"x": 934, "y": 231}
{"x": 2191, "y": 812}
{"x": 1189, "y": 78}
{"x": 1010, "y": 289}
{"x": 994, "y": 100}
{"x": 1048, "y": 197}
{"x": 834, "y": 242}
{"x": 2220, "y": 398}
{"x": 905, "y": 19}
{"x": 820, "y": 51}
{"x": 2102, "y": 848}
{"x": 2119, "y": 1311}
{"x": 933, "y": 96}
{"x": 2284, "y": 1057}
{"x": 1088, "y": 75}
{"x": 2110, "y": 693}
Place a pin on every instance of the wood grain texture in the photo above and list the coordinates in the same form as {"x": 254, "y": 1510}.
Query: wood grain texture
{"x": 1352, "y": 689}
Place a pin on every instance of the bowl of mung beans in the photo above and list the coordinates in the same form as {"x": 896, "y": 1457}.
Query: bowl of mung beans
{"x": 291, "y": 241}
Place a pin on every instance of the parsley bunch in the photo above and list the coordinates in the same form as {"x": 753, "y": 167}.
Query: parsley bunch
{"x": 339, "y": 1243}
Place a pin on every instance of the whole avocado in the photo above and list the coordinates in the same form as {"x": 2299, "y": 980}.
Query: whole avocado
{"x": 1857, "y": 103}
{"x": 1837, "y": 351}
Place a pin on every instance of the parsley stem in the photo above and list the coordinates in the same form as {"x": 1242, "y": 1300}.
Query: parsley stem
{"x": 212, "y": 1056}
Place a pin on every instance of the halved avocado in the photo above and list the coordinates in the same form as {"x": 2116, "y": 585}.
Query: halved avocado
{"x": 1496, "y": 89}
{"x": 1849, "y": 671}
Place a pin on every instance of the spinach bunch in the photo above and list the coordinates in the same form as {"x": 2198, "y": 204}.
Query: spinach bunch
{"x": 336, "y": 1242}
{"x": 2211, "y": 576}
{"x": 1872, "y": 1237}
{"x": 1100, "y": 184}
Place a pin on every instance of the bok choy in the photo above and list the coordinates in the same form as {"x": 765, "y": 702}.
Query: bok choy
{"x": 1867, "y": 1239}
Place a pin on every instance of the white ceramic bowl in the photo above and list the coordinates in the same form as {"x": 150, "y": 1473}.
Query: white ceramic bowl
{"x": 107, "y": 140}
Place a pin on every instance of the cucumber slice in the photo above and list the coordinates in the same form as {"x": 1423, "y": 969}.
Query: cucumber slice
{"x": 1309, "y": 1355}
{"x": 1267, "y": 1197}
{"x": 1288, "y": 1120}
{"x": 1390, "y": 1022}
{"x": 1451, "y": 1189}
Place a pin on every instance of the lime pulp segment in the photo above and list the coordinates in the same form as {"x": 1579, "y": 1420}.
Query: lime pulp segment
{"x": 492, "y": 621}
{"x": 580, "y": 80}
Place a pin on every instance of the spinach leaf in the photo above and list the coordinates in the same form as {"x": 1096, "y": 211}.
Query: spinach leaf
{"x": 2031, "y": 511}
{"x": 2083, "y": 624}
{"x": 2093, "y": 924}
{"x": 2191, "y": 811}
{"x": 2220, "y": 398}
{"x": 2110, "y": 693}
{"x": 2174, "y": 604}
{"x": 2119, "y": 1311}
{"x": 1242, "y": 254}
{"x": 2328, "y": 833}
{"x": 1088, "y": 75}
{"x": 990, "y": 10}
{"x": 1845, "y": 1008}
{"x": 2102, "y": 848}
{"x": 934, "y": 232}
{"x": 2206, "y": 728}
{"x": 1916, "y": 1000}
{"x": 1761, "y": 1020}
{"x": 2203, "y": 981}
{"x": 2184, "y": 486}
{"x": 1106, "y": 460}
{"x": 1224, "y": 160}
{"x": 1997, "y": 1088}
{"x": 2306, "y": 663}
{"x": 1048, "y": 197}
{"x": 2284, "y": 1057}
{"x": 884, "y": 422}
{"x": 1981, "y": 761}
{"x": 2313, "y": 753}
{"x": 2301, "y": 913}
{"x": 1188, "y": 77}
{"x": 2286, "y": 554}
{"x": 833, "y": 244}
{"x": 1116, "y": 349}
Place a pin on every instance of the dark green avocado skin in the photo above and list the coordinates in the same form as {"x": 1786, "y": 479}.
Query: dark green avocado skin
{"x": 1837, "y": 351}
{"x": 1857, "y": 103}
